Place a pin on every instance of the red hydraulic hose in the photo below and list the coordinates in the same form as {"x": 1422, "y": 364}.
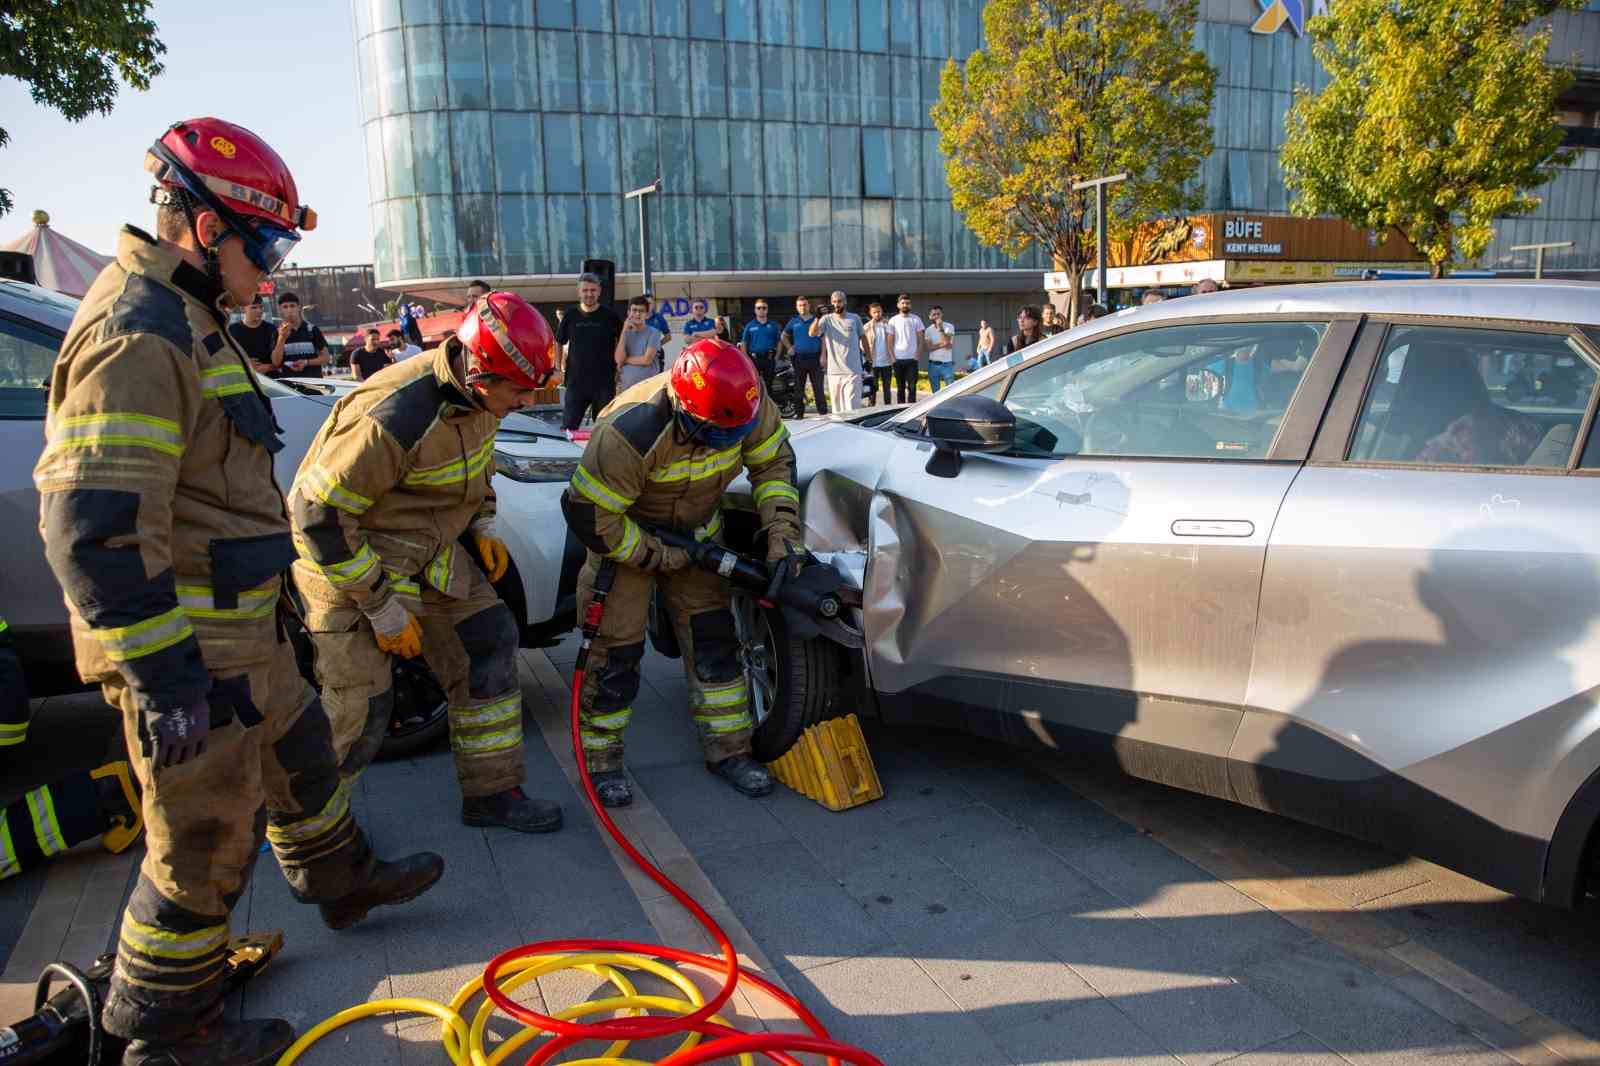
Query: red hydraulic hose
{"x": 727, "y": 1042}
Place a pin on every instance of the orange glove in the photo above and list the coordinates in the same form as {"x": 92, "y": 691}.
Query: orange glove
{"x": 492, "y": 550}
{"x": 397, "y": 630}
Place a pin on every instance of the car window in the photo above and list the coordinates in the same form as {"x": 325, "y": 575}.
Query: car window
{"x": 1474, "y": 397}
{"x": 1200, "y": 391}
{"x": 27, "y": 355}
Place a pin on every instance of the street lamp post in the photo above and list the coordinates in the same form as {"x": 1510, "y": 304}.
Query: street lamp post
{"x": 644, "y": 230}
{"x": 1099, "y": 187}
{"x": 1538, "y": 251}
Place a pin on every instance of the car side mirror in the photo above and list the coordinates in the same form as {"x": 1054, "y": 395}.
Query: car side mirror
{"x": 967, "y": 424}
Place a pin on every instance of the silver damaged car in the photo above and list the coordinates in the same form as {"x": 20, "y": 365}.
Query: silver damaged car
{"x": 1328, "y": 551}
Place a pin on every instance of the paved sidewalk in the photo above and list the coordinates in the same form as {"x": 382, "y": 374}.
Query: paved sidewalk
{"x": 982, "y": 913}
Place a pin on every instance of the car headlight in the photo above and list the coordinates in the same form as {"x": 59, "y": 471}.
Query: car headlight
{"x": 534, "y": 468}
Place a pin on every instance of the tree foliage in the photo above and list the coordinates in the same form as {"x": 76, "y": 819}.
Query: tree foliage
{"x": 1065, "y": 91}
{"x": 73, "y": 53}
{"x": 1438, "y": 118}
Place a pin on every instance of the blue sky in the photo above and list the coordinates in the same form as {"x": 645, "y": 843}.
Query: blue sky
{"x": 285, "y": 70}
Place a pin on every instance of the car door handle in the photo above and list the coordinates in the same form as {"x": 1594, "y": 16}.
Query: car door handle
{"x": 1212, "y": 527}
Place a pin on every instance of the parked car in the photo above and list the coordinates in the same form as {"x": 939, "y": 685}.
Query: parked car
{"x": 534, "y": 459}
{"x": 1299, "y": 548}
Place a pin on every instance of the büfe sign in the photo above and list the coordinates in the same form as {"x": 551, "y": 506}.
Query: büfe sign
{"x": 1271, "y": 237}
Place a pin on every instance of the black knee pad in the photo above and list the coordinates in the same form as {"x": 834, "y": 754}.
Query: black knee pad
{"x": 380, "y": 709}
{"x": 716, "y": 646}
{"x": 619, "y": 678}
{"x": 490, "y": 640}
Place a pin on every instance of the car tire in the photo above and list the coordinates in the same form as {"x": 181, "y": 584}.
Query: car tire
{"x": 792, "y": 679}
{"x": 421, "y": 719}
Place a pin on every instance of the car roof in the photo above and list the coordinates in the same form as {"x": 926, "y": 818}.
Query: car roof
{"x": 50, "y": 309}
{"x": 1568, "y": 302}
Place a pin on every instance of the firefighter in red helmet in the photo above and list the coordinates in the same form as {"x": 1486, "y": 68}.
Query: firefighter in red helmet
{"x": 167, "y": 532}
{"x": 661, "y": 456}
{"x": 388, "y": 499}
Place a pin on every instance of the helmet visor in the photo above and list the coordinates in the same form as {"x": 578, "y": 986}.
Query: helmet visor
{"x": 267, "y": 245}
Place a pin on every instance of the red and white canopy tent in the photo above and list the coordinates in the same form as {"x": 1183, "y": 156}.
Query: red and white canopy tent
{"x": 60, "y": 263}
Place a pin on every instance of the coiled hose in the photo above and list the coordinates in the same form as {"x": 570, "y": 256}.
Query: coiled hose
{"x": 708, "y": 1036}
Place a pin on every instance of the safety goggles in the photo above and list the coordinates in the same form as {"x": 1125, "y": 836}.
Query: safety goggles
{"x": 266, "y": 244}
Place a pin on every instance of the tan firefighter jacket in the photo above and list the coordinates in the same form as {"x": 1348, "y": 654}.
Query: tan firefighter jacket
{"x": 158, "y": 508}
{"x": 399, "y": 471}
{"x": 638, "y": 472}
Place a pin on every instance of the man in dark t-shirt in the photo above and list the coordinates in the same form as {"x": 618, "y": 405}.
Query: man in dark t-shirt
{"x": 256, "y": 338}
{"x": 589, "y": 334}
{"x": 369, "y": 358}
{"x": 305, "y": 350}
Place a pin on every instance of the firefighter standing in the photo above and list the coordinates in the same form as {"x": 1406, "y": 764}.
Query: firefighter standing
{"x": 168, "y": 534}
{"x": 68, "y": 811}
{"x": 400, "y": 471}
{"x": 661, "y": 455}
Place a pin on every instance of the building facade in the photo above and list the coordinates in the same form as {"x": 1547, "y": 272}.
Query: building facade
{"x": 791, "y": 137}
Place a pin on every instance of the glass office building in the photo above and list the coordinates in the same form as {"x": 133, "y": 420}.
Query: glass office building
{"x": 791, "y": 137}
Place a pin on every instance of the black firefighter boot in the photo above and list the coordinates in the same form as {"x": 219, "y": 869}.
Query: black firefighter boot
{"x": 389, "y": 883}
{"x": 514, "y": 809}
{"x": 256, "y": 1042}
{"x": 744, "y": 774}
{"x": 612, "y": 787}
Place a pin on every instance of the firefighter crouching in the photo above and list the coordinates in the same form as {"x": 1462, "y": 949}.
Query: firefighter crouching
{"x": 48, "y": 820}
{"x": 661, "y": 455}
{"x": 400, "y": 471}
{"x": 166, "y": 530}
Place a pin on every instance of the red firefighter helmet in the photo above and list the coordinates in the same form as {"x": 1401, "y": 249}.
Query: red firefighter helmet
{"x": 229, "y": 170}
{"x": 715, "y": 383}
{"x": 506, "y": 337}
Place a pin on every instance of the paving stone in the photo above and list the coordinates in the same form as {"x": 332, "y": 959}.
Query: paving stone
{"x": 796, "y": 914}
{"x": 1206, "y": 1025}
{"x": 1357, "y": 1014}
{"x": 1297, "y": 1050}
{"x": 1001, "y": 860}
{"x": 887, "y": 1005}
{"x": 707, "y": 814}
{"x": 1082, "y": 1034}
{"x": 1120, "y": 952}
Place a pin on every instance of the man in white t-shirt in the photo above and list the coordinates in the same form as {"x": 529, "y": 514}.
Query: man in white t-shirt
{"x": 841, "y": 335}
{"x": 880, "y": 349}
{"x": 941, "y": 345}
{"x": 399, "y": 347}
{"x": 910, "y": 341}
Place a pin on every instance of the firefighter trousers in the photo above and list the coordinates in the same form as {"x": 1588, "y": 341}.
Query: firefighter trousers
{"x": 470, "y": 644}
{"x": 697, "y": 603}
{"x": 267, "y": 771}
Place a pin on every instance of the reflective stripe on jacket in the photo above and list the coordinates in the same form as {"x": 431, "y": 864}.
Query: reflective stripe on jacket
{"x": 399, "y": 471}
{"x": 637, "y": 471}
{"x": 158, "y": 508}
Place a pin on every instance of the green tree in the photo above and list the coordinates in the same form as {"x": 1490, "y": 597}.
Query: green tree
{"x": 1437, "y": 119}
{"x": 1069, "y": 90}
{"x": 72, "y": 54}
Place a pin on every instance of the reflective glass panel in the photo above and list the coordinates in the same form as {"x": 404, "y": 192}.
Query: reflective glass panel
{"x": 711, "y": 156}
{"x": 903, "y": 26}
{"x": 605, "y": 227}
{"x": 907, "y": 91}
{"x": 556, "y": 14}
{"x": 709, "y": 79}
{"x": 936, "y": 28}
{"x": 844, "y": 161}
{"x": 639, "y": 163}
{"x": 633, "y": 16}
{"x": 672, "y": 76}
{"x": 877, "y": 161}
{"x": 677, "y": 153}
{"x": 382, "y": 252}
{"x": 468, "y": 12}
{"x": 930, "y": 91}
{"x": 441, "y": 256}
{"x": 877, "y": 90}
{"x": 933, "y": 181}
{"x": 877, "y": 231}
{"x": 674, "y": 239}
{"x": 777, "y": 82}
{"x": 594, "y": 15}
{"x": 508, "y": 12}
{"x": 783, "y": 175}
{"x": 425, "y": 52}
{"x": 964, "y": 22}
{"x": 524, "y": 248}
{"x": 513, "y": 74}
{"x": 744, "y": 81}
{"x": 597, "y": 60}
{"x": 405, "y": 246}
{"x": 672, "y": 18}
{"x": 874, "y": 25}
{"x": 430, "y": 139}
{"x": 808, "y": 25}
{"x": 417, "y": 12}
{"x": 749, "y": 234}
{"x": 390, "y": 52}
{"x": 816, "y": 238}
{"x": 477, "y": 233}
{"x": 367, "y": 61}
{"x": 602, "y": 167}
{"x": 935, "y": 234}
{"x": 563, "y": 153}
{"x": 741, "y": 16}
{"x": 469, "y": 81}
{"x": 744, "y": 155}
{"x": 558, "y": 74}
{"x": 777, "y": 21}
{"x": 518, "y": 152}
{"x": 372, "y": 143}
{"x": 811, "y": 85}
{"x": 847, "y": 235}
{"x": 568, "y": 233}
{"x": 842, "y": 24}
{"x": 469, "y": 131}
{"x": 907, "y": 234}
{"x": 705, "y": 19}
{"x": 400, "y": 160}
{"x": 844, "y": 88}
{"x": 812, "y": 154}
{"x": 385, "y": 14}
{"x": 635, "y": 66}
{"x": 716, "y": 233}
{"x": 783, "y": 241}
{"x": 908, "y": 163}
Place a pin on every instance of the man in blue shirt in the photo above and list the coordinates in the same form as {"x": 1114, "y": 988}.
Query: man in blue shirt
{"x": 699, "y": 327}
{"x": 760, "y": 340}
{"x": 807, "y": 353}
{"x": 658, "y": 320}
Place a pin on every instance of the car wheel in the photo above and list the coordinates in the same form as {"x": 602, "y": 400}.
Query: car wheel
{"x": 421, "y": 718}
{"x": 791, "y": 679}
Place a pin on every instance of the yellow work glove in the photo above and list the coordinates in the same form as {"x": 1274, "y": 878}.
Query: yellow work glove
{"x": 396, "y": 630}
{"x": 492, "y": 550}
